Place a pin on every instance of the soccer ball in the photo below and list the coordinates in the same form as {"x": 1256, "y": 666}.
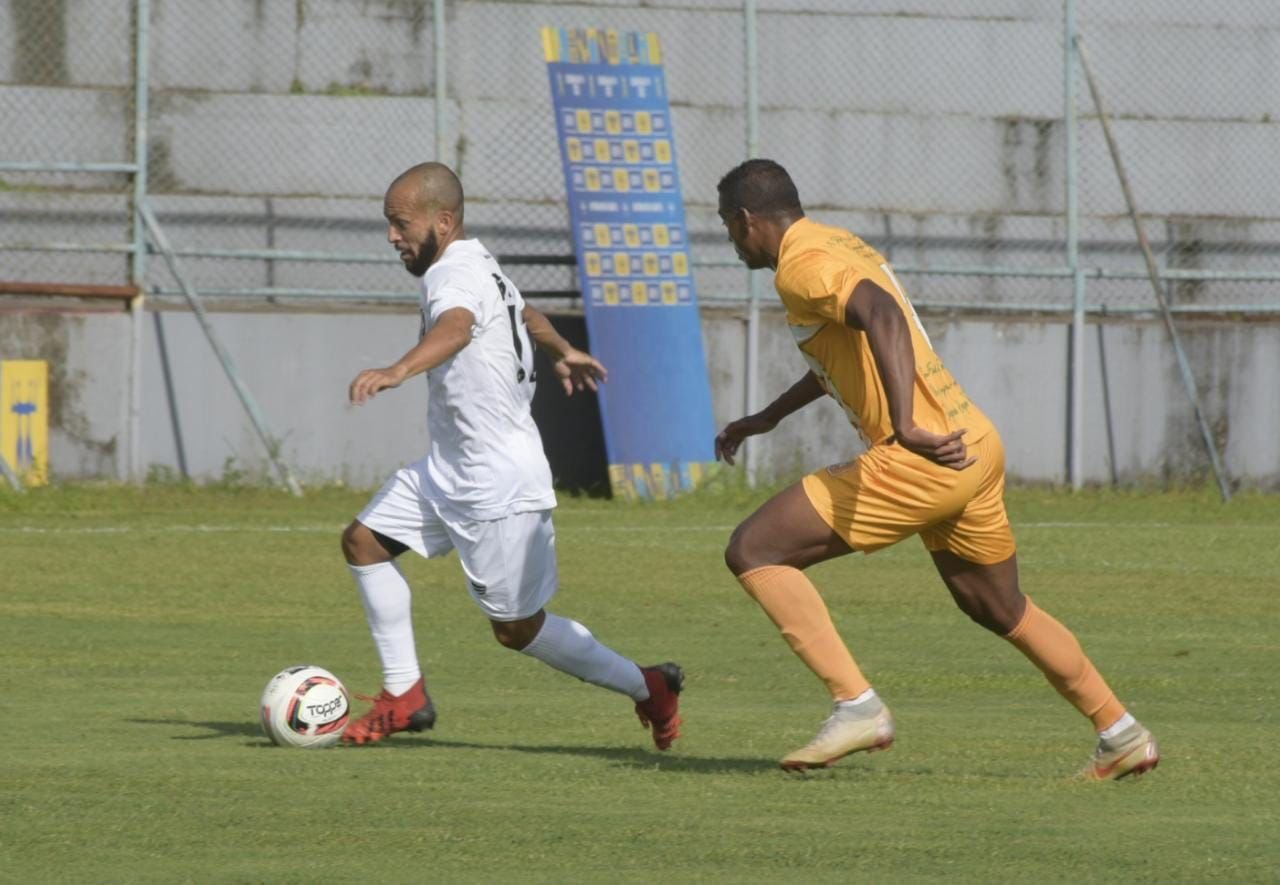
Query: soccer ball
{"x": 305, "y": 706}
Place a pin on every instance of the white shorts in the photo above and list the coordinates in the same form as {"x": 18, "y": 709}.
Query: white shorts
{"x": 510, "y": 563}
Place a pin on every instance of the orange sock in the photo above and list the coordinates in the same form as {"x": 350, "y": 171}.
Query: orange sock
{"x": 1056, "y": 651}
{"x": 791, "y": 601}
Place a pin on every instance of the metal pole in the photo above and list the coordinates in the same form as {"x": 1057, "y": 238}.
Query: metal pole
{"x": 441, "y": 108}
{"x": 246, "y": 398}
{"x": 1153, "y": 273}
{"x": 11, "y": 475}
{"x": 141, "y": 90}
{"x": 137, "y": 315}
{"x": 751, "y": 461}
{"x": 138, "y": 268}
{"x": 1075, "y": 429}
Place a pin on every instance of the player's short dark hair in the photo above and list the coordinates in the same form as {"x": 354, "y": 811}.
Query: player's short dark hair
{"x": 762, "y": 187}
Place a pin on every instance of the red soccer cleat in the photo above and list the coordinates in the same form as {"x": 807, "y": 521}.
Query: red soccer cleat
{"x": 660, "y": 712}
{"x": 411, "y": 711}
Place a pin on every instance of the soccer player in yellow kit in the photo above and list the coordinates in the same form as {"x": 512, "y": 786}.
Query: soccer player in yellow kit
{"x": 933, "y": 467}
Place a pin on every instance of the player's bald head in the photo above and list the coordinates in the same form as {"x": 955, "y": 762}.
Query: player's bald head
{"x": 430, "y": 188}
{"x": 762, "y": 187}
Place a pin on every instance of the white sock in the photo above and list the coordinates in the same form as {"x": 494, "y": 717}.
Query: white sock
{"x": 387, "y": 598}
{"x": 569, "y": 647}
{"x": 867, "y": 695}
{"x": 1116, "y": 727}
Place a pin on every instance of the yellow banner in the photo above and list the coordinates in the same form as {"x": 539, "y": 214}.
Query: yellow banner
{"x": 632, "y": 482}
{"x": 24, "y": 418}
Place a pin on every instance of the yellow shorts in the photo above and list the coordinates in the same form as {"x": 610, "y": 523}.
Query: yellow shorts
{"x": 888, "y": 494}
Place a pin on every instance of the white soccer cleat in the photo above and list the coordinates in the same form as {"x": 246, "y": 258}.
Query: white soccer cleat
{"x": 1131, "y": 752}
{"x": 866, "y": 727}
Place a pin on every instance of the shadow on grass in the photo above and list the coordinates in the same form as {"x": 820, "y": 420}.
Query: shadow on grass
{"x": 631, "y": 757}
{"x": 213, "y": 729}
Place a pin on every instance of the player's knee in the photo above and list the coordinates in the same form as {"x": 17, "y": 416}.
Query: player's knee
{"x": 737, "y": 552}
{"x": 999, "y": 614}
{"x": 351, "y": 543}
{"x": 515, "y": 635}
{"x": 360, "y": 547}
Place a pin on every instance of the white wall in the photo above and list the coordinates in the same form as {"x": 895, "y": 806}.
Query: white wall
{"x": 298, "y": 365}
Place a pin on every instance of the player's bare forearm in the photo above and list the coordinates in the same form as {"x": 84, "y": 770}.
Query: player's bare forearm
{"x": 451, "y": 333}
{"x": 794, "y": 398}
{"x": 552, "y": 343}
{"x": 576, "y": 369}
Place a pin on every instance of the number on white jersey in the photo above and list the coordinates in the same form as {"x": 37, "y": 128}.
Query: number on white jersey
{"x": 519, "y": 334}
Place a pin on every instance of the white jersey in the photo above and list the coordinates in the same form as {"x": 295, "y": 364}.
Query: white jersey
{"x": 486, "y": 459}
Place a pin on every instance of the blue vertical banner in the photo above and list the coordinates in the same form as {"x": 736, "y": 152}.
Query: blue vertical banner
{"x": 613, "y": 119}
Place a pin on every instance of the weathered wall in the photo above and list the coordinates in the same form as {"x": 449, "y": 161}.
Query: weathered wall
{"x": 1140, "y": 426}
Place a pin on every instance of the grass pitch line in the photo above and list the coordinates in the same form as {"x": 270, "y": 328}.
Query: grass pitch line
{"x": 198, "y": 529}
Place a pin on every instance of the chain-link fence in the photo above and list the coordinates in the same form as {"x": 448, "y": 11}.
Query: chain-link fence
{"x": 66, "y": 106}
{"x": 940, "y": 131}
{"x": 1194, "y": 97}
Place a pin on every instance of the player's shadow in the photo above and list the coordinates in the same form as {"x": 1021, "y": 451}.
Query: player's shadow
{"x": 630, "y": 757}
{"x": 212, "y": 730}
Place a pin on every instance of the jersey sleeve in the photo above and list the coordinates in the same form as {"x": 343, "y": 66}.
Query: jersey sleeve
{"x": 816, "y": 288}
{"x": 454, "y": 290}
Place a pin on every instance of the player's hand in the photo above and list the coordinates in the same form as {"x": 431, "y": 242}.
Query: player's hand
{"x": 578, "y": 370}
{"x": 949, "y": 450}
{"x": 729, "y": 439}
{"x": 370, "y": 381}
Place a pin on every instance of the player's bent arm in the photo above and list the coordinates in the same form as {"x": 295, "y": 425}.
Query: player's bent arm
{"x": 876, "y": 312}
{"x": 544, "y": 334}
{"x": 576, "y": 369}
{"x": 794, "y": 398}
{"x": 450, "y": 333}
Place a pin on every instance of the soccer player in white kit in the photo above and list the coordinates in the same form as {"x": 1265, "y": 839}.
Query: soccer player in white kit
{"x": 484, "y": 487}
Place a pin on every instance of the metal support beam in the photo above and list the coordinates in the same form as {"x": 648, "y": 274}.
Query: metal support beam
{"x": 269, "y": 442}
{"x": 1153, "y": 273}
{"x": 11, "y": 475}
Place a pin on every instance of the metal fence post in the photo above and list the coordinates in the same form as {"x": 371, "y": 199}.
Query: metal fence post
{"x": 138, "y": 264}
{"x": 441, "y": 104}
{"x": 1075, "y": 429}
{"x": 751, "y": 459}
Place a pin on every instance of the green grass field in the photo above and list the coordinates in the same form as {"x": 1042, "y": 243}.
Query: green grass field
{"x": 138, "y": 627}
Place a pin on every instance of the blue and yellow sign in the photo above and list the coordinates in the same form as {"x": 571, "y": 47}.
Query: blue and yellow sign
{"x": 24, "y": 419}
{"x": 613, "y": 118}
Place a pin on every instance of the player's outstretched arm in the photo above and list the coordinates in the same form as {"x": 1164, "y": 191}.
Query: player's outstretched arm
{"x": 451, "y": 333}
{"x": 876, "y": 312}
{"x": 576, "y": 369}
{"x": 796, "y": 397}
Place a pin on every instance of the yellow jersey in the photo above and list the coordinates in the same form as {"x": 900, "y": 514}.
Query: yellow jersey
{"x": 818, "y": 268}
